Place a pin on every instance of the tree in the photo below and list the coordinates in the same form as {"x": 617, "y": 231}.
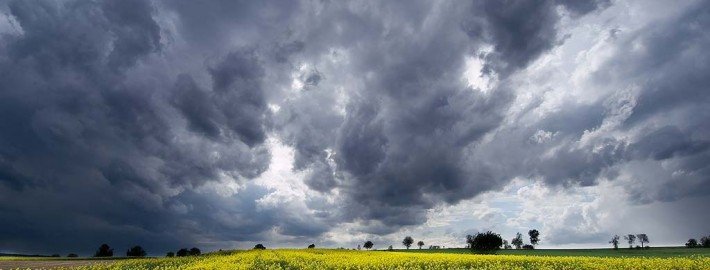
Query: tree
{"x": 615, "y": 241}
{"x": 528, "y": 247}
{"x": 368, "y": 245}
{"x": 104, "y": 251}
{"x": 485, "y": 242}
{"x": 259, "y": 246}
{"x": 170, "y": 254}
{"x": 469, "y": 241}
{"x": 195, "y": 251}
{"x": 312, "y": 246}
{"x": 692, "y": 243}
{"x": 183, "y": 252}
{"x": 56, "y": 255}
{"x": 72, "y": 255}
{"x": 390, "y": 248}
{"x": 705, "y": 241}
{"x": 534, "y": 236}
{"x": 643, "y": 238}
{"x": 517, "y": 241}
{"x": 630, "y": 238}
{"x": 136, "y": 251}
{"x": 408, "y": 241}
{"x": 420, "y": 244}
{"x": 506, "y": 245}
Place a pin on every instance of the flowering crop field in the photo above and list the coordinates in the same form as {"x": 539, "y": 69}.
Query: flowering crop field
{"x": 345, "y": 259}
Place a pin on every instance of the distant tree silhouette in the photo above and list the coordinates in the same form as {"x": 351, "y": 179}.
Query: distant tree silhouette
{"x": 170, "y": 254}
{"x": 312, "y": 246}
{"x": 506, "y": 245}
{"x": 56, "y": 255}
{"x": 630, "y": 238}
{"x": 195, "y": 251}
{"x": 72, "y": 255}
{"x": 358, "y": 247}
{"x": 368, "y": 245}
{"x": 469, "y": 241}
{"x": 390, "y": 248}
{"x": 485, "y": 242}
{"x": 705, "y": 241}
{"x": 183, "y": 252}
{"x": 615, "y": 241}
{"x": 420, "y": 244}
{"x": 104, "y": 251}
{"x": 692, "y": 243}
{"x": 408, "y": 241}
{"x": 136, "y": 251}
{"x": 534, "y": 236}
{"x": 259, "y": 246}
{"x": 643, "y": 238}
{"x": 517, "y": 241}
{"x": 528, "y": 247}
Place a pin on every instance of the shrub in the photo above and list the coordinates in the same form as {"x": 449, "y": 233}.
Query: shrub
{"x": 705, "y": 241}
{"x": 528, "y": 246}
{"x": 368, "y": 245}
{"x": 183, "y": 252}
{"x": 259, "y": 246}
{"x": 312, "y": 246}
{"x": 104, "y": 251}
{"x": 485, "y": 242}
{"x": 170, "y": 254}
{"x": 195, "y": 251}
{"x": 136, "y": 251}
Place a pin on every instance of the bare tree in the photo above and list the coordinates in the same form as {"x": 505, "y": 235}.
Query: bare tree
{"x": 643, "y": 238}
{"x": 517, "y": 241}
{"x": 630, "y": 238}
{"x": 615, "y": 241}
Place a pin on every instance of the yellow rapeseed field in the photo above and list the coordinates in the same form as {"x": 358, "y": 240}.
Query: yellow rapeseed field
{"x": 345, "y": 259}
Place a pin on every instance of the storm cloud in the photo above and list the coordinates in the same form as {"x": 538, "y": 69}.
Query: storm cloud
{"x": 167, "y": 123}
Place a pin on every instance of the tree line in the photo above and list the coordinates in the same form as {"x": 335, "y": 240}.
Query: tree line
{"x": 642, "y": 239}
{"x": 137, "y": 251}
{"x": 704, "y": 242}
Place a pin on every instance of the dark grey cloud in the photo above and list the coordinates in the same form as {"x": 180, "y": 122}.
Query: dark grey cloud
{"x": 146, "y": 121}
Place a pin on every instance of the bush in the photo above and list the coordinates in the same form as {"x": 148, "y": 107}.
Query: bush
{"x": 72, "y": 255}
{"x": 183, "y": 252}
{"x": 104, "y": 251}
{"x": 136, "y": 251}
{"x": 195, "y": 251}
{"x": 705, "y": 241}
{"x": 528, "y": 246}
{"x": 312, "y": 246}
{"x": 368, "y": 245}
{"x": 485, "y": 242}
{"x": 259, "y": 246}
{"x": 692, "y": 243}
{"x": 170, "y": 254}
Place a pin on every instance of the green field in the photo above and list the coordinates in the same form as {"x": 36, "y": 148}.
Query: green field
{"x": 659, "y": 252}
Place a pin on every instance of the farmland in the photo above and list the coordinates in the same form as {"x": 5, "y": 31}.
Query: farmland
{"x": 657, "y": 252}
{"x": 347, "y": 259}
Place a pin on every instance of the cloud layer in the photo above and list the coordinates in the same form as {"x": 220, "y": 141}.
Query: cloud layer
{"x": 221, "y": 124}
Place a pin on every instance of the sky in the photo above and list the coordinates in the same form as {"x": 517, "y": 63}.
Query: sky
{"x": 223, "y": 124}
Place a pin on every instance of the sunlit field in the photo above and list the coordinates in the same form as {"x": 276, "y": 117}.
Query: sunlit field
{"x": 346, "y": 259}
